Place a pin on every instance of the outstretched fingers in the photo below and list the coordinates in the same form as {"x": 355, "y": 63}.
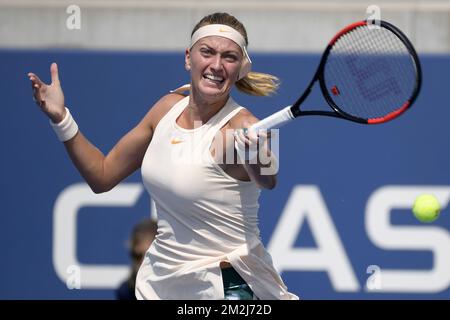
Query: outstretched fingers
{"x": 37, "y": 85}
{"x": 35, "y": 79}
{"x": 54, "y": 73}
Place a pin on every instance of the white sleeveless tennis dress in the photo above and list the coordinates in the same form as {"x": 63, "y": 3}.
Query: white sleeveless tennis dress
{"x": 204, "y": 217}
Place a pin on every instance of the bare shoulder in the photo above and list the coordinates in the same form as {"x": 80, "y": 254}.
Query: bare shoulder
{"x": 164, "y": 104}
{"x": 160, "y": 108}
{"x": 241, "y": 117}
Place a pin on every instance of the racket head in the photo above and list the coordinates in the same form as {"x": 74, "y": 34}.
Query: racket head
{"x": 370, "y": 73}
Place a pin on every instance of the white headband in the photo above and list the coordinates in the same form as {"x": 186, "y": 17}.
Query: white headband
{"x": 222, "y": 30}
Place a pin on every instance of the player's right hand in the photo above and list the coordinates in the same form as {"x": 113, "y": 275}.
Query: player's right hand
{"x": 50, "y": 98}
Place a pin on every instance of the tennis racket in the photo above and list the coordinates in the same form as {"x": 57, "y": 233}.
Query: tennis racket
{"x": 369, "y": 73}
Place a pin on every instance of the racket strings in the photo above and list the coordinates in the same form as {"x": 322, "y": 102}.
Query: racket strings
{"x": 369, "y": 73}
{"x": 381, "y": 42}
{"x": 366, "y": 43}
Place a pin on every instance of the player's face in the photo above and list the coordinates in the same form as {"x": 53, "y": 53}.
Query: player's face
{"x": 215, "y": 63}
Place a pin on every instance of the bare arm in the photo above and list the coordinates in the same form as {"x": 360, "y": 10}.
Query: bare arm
{"x": 264, "y": 171}
{"x": 101, "y": 172}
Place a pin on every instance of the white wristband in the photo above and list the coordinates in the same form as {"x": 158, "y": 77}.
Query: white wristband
{"x": 66, "y": 129}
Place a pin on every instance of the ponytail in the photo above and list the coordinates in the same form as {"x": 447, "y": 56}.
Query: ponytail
{"x": 258, "y": 84}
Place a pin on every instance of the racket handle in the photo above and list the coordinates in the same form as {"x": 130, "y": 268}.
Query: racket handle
{"x": 276, "y": 120}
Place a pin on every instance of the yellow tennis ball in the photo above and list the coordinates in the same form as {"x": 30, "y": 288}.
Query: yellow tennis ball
{"x": 426, "y": 208}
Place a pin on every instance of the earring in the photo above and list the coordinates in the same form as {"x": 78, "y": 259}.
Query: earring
{"x": 188, "y": 67}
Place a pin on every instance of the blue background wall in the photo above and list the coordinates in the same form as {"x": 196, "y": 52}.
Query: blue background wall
{"x": 108, "y": 93}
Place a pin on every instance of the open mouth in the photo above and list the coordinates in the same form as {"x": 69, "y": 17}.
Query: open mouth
{"x": 213, "y": 78}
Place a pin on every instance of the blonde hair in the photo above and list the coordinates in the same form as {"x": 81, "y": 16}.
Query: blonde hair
{"x": 255, "y": 83}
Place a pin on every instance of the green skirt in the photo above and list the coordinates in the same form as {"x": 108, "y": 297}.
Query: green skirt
{"x": 235, "y": 287}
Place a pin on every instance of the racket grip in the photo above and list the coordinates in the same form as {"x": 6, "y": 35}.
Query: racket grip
{"x": 276, "y": 120}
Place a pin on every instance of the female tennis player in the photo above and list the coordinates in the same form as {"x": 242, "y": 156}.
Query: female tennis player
{"x": 208, "y": 244}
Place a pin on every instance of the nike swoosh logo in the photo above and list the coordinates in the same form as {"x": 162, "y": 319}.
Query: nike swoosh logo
{"x": 223, "y": 30}
{"x": 176, "y": 141}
